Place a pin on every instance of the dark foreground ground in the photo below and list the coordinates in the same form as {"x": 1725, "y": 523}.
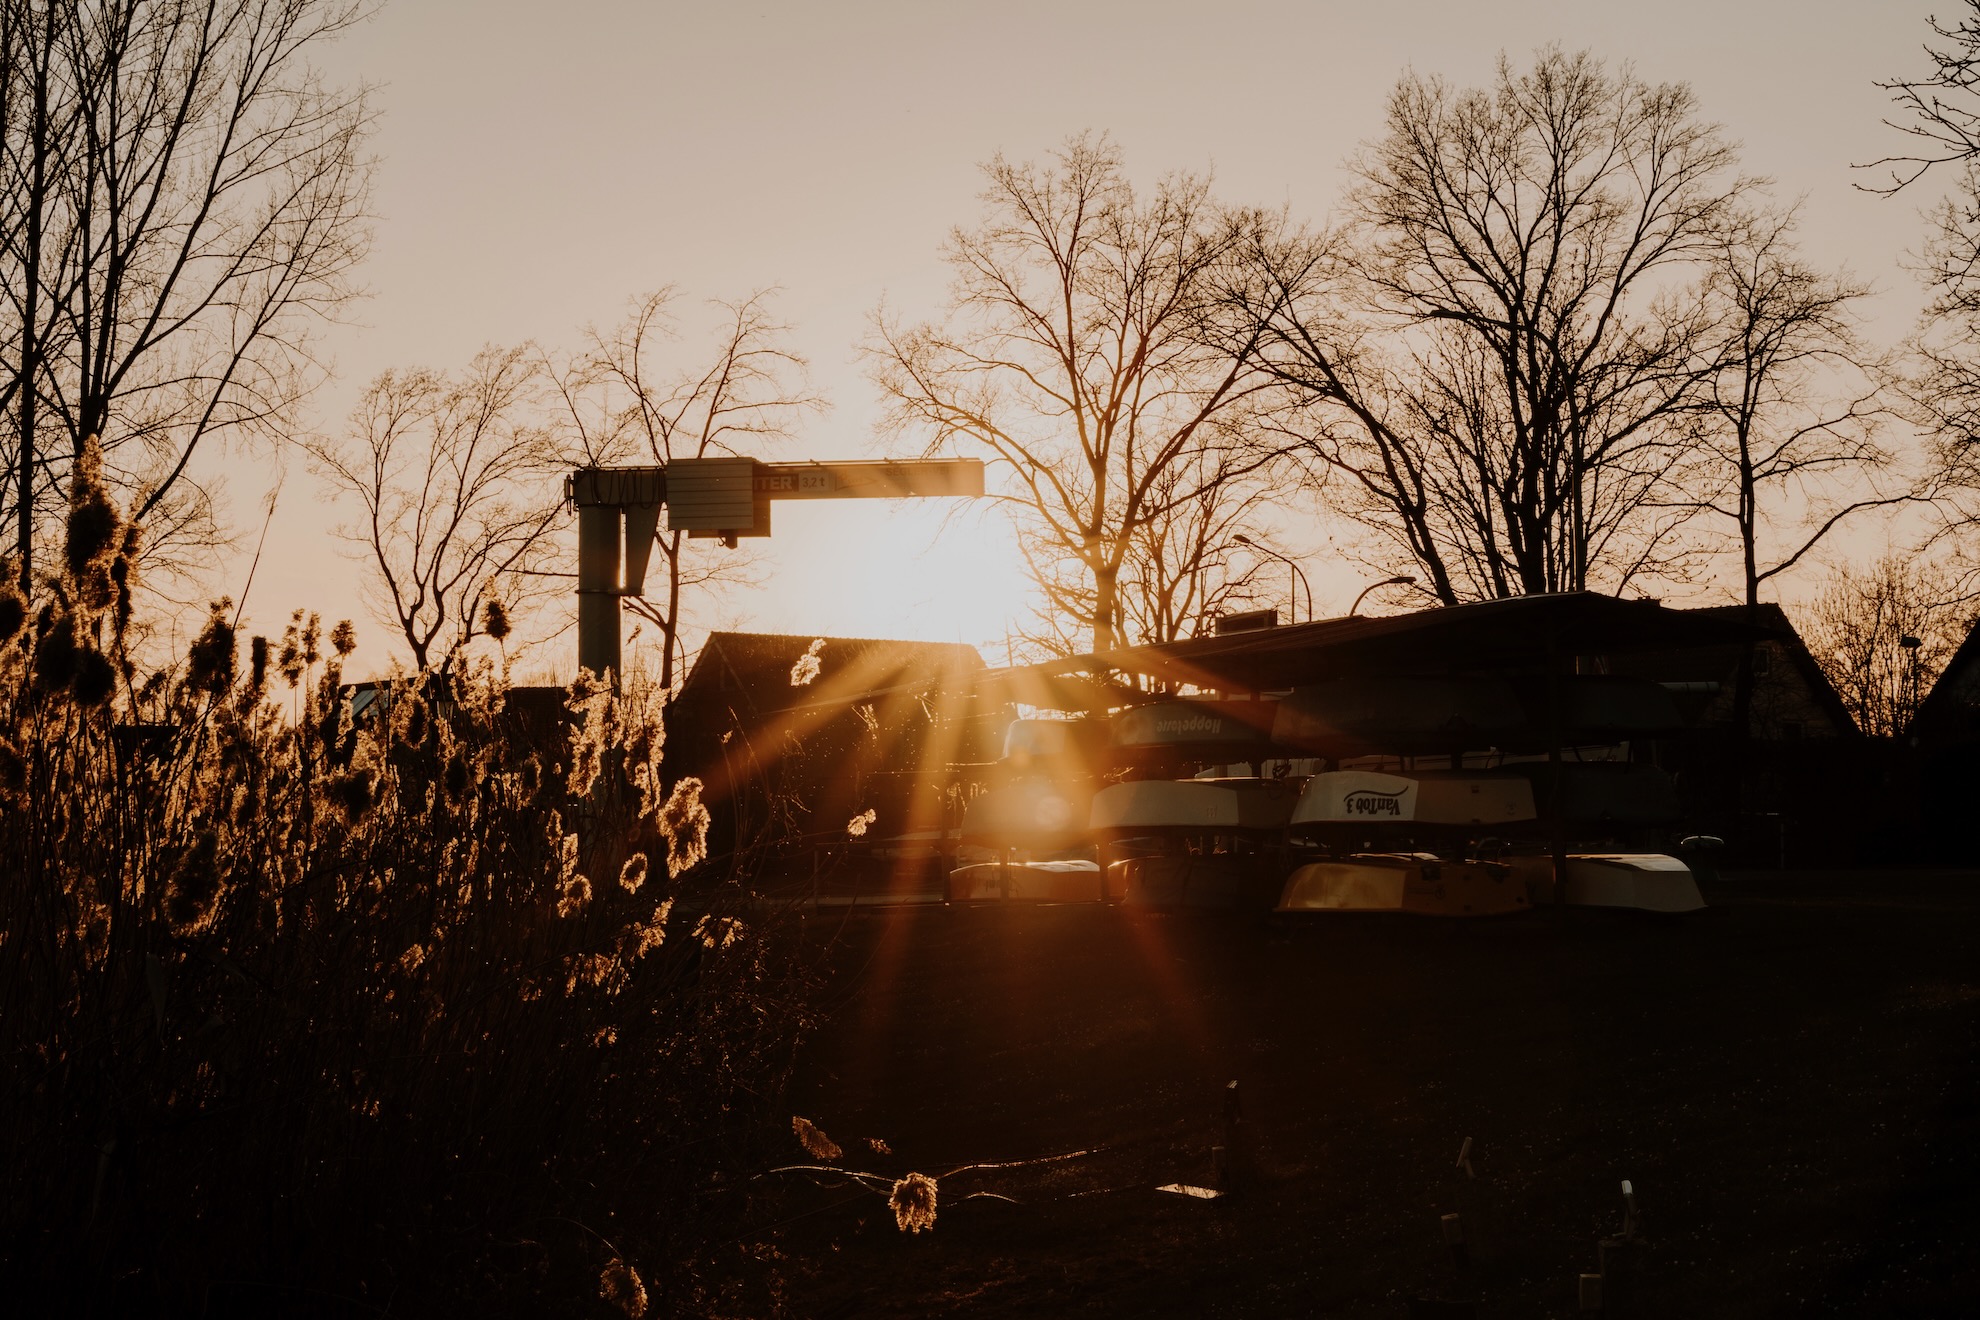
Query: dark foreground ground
{"x": 1791, "y": 1080}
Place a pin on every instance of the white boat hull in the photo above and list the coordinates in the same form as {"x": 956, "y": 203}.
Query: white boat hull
{"x": 1025, "y": 882}
{"x": 1645, "y": 882}
{"x": 1407, "y": 883}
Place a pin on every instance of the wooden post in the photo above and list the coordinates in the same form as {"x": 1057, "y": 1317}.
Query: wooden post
{"x": 1557, "y": 803}
{"x": 598, "y": 590}
{"x": 1230, "y": 1170}
{"x": 1453, "y": 1227}
{"x": 1589, "y": 1294}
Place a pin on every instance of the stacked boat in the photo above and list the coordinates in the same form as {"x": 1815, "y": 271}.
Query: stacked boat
{"x": 1458, "y": 844}
{"x": 1455, "y": 842}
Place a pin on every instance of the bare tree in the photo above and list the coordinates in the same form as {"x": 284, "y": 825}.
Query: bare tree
{"x": 457, "y": 482}
{"x": 184, "y": 198}
{"x": 1794, "y": 402}
{"x": 1497, "y": 351}
{"x": 1940, "y": 112}
{"x": 1183, "y": 569}
{"x": 1080, "y": 356}
{"x": 1882, "y": 635}
{"x": 626, "y": 400}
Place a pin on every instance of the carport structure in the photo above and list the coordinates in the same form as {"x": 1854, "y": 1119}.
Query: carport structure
{"x": 1535, "y": 636}
{"x": 1540, "y": 642}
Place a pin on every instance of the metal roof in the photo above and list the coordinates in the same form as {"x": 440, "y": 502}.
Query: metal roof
{"x": 1521, "y": 634}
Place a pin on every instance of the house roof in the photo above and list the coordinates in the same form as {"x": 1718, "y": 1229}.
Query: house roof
{"x": 1951, "y": 710}
{"x": 755, "y": 670}
{"x": 1718, "y": 663}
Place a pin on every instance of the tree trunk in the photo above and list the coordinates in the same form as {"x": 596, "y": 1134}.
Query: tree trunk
{"x": 1106, "y": 607}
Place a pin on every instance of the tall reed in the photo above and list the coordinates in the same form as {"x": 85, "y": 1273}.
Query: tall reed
{"x": 307, "y": 1009}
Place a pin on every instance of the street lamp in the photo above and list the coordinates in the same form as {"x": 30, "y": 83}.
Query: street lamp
{"x": 1400, "y": 580}
{"x": 1298, "y": 578}
{"x": 1911, "y": 644}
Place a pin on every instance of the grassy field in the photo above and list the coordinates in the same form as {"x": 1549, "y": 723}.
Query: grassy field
{"x": 1790, "y": 1079}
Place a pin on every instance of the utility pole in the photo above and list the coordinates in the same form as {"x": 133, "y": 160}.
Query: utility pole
{"x": 715, "y": 498}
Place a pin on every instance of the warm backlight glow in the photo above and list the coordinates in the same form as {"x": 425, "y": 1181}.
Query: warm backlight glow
{"x": 917, "y": 570}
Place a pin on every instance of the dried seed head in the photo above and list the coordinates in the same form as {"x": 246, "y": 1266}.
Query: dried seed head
{"x": 684, "y": 824}
{"x": 718, "y": 932}
{"x": 620, "y": 1286}
{"x": 92, "y": 532}
{"x": 495, "y": 620}
{"x": 633, "y": 874}
{"x": 856, "y": 827}
{"x": 590, "y": 701}
{"x": 913, "y": 1203}
{"x": 354, "y": 792}
{"x": 648, "y": 936}
{"x": 291, "y": 661}
{"x": 95, "y": 678}
{"x": 572, "y": 894}
{"x": 210, "y": 661}
{"x": 808, "y": 665}
{"x": 815, "y": 1142}
{"x": 94, "y": 524}
{"x": 343, "y": 638}
{"x": 55, "y": 654}
{"x": 257, "y": 665}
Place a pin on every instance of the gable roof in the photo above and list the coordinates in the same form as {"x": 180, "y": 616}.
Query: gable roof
{"x": 1951, "y": 710}
{"x": 1786, "y": 640}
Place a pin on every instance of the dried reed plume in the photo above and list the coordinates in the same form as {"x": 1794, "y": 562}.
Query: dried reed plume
{"x": 620, "y": 1286}
{"x": 718, "y": 932}
{"x": 815, "y": 1142}
{"x": 856, "y": 827}
{"x": 572, "y": 895}
{"x": 684, "y": 823}
{"x": 633, "y": 874}
{"x": 808, "y": 665}
{"x": 913, "y": 1203}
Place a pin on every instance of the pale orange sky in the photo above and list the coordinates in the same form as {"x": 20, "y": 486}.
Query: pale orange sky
{"x": 539, "y": 165}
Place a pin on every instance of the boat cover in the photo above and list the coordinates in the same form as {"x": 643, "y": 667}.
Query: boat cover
{"x": 1363, "y": 797}
{"x": 1201, "y": 804}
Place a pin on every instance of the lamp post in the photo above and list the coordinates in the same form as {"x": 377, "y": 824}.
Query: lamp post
{"x": 1911, "y": 645}
{"x": 1297, "y": 581}
{"x": 1400, "y": 580}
